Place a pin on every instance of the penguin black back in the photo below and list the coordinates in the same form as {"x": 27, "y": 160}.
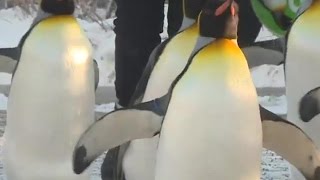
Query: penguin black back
{"x": 58, "y": 7}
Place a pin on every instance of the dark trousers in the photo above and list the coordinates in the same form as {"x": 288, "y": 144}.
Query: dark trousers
{"x": 138, "y": 27}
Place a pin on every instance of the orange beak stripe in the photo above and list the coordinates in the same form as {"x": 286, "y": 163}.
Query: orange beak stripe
{"x": 222, "y": 8}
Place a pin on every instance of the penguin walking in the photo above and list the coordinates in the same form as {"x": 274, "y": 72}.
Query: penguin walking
{"x": 137, "y": 158}
{"x": 210, "y": 109}
{"x": 302, "y": 65}
{"x": 299, "y": 141}
{"x": 216, "y": 79}
{"x": 51, "y": 100}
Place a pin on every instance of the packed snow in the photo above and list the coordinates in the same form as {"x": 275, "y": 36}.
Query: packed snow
{"x": 268, "y": 76}
{"x": 14, "y": 23}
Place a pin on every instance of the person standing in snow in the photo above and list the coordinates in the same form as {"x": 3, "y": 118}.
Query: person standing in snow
{"x": 137, "y": 27}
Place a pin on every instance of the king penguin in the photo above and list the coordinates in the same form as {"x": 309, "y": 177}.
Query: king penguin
{"x": 217, "y": 83}
{"x": 137, "y": 158}
{"x": 302, "y": 65}
{"x": 51, "y": 100}
{"x": 210, "y": 114}
{"x": 171, "y": 55}
{"x": 298, "y": 141}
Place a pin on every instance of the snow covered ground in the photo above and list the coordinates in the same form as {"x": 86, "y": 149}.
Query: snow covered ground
{"x": 14, "y": 23}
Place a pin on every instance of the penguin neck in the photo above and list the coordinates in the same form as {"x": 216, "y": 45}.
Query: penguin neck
{"x": 40, "y": 16}
{"x": 202, "y": 41}
{"x": 186, "y": 23}
{"x": 235, "y": 41}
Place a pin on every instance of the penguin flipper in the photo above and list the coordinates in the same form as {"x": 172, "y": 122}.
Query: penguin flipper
{"x": 309, "y": 106}
{"x": 257, "y": 56}
{"x": 277, "y": 44}
{"x": 142, "y": 84}
{"x": 96, "y": 74}
{"x": 9, "y": 59}
{"x": 140, "y": 121}
{"x": 290, "y": 142}
{"x": 12, "y": 53}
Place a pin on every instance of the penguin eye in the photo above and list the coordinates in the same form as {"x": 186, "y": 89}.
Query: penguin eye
{"x": 221, "y": 9}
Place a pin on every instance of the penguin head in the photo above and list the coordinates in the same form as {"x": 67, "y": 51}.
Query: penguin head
{"x": 58, "y": 7}
{"x": 219, "y": 19}
{"x": 192, "y": 8}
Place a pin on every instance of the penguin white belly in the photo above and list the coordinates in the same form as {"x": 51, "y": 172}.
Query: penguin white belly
{"x": 212, "y": 128}
{"x": 51, "y": 102}
{"x": 302, "y": 68}
{"x": 139, "y": 160}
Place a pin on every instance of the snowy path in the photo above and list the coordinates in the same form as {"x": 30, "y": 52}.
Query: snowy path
{"x": 273, "y": 166}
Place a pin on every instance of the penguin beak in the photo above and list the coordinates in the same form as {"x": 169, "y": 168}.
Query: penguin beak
{"x": 221, "y": 9}
{"x": 233, "y": 10}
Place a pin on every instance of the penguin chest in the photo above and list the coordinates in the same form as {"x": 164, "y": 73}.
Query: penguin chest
{"x": 212, "y": 123}
{"x": 170, "y": 63}
{"x": 302, "y": 67}
{"x": 51, "y": 99}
